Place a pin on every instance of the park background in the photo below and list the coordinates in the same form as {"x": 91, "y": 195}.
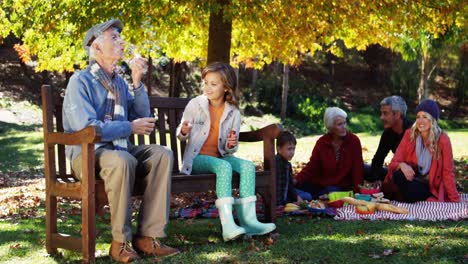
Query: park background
{"x": 294, "y": 59}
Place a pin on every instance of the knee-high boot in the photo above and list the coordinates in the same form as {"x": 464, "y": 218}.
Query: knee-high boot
{"x": 245, "y": 209}
{"x": 230, "y": 229}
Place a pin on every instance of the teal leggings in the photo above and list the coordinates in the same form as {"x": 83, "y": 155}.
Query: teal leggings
{"x": 223, "y": 168}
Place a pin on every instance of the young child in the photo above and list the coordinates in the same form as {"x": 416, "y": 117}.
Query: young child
{"x": 285, "y": 191}
{"x": 211, "y": 123}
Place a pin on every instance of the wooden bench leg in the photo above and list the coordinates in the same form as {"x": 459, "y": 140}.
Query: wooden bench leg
{"x": 88, "y": 222}
{"x": 88, "y": 204}
{"x": 269, "y": 205}
{"x": 51, "y": 223}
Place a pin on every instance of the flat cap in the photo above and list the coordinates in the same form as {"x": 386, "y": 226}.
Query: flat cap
{"x": 98, "y": 29}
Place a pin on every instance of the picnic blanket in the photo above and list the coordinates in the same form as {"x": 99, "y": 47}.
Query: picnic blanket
{"x": 207, "y": 209}
{"x": 432, "y": 211}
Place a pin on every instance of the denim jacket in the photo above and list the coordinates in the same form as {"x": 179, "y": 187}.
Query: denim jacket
{"x": 84, "y": 105}
{"x": 198, "y": 114}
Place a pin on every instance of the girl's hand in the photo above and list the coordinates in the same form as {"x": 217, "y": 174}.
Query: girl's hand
{"x": 185, "y": 128}
{"x": 232, "y": 140}
{"x": 407, "y": 171}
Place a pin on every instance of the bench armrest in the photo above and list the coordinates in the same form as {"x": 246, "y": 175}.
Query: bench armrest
{"x": 268, "y": 132}
{"x": 90, "y": 135}
{"x": 268, "y": 135}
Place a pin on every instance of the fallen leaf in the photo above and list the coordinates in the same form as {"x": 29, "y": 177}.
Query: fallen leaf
{"x": 268, "y": 241}
{"x": 360, "y": 232}
{"x": 15, "y": 246}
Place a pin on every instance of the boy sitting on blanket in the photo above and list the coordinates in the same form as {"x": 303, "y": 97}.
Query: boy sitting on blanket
{"x": 285, "y": 191}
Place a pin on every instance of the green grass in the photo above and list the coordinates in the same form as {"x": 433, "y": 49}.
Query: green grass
{"x": 301, "y": 240}
{"x": 22, "y": 147}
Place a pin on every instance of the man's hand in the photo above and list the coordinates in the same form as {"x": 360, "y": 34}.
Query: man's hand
{"x": 143, "y": 126}
{"x": 231, "y": 140}
{"x": 407, "y": 171}
{"x": 139, "y": 67}
{"x": 185, "y": 128}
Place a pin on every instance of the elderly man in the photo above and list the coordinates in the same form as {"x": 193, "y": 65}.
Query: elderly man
{"x": 393, "y": 116}
{"x": 97, "y": 96}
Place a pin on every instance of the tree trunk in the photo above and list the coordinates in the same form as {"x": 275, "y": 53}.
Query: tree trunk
{"x": 174, "y": 82}
{"x": 284, "y": 96}
{"x": 424, "y": 76}
{"x": 462, "y": 80}
{"x": 253, "y": 84}
{"x": 219, "y": 36}
{"x": 149, "y": 76}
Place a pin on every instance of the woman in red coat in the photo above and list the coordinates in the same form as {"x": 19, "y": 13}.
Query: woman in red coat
{"x": 336, "y": 162}
{"x": 422, "y": 168}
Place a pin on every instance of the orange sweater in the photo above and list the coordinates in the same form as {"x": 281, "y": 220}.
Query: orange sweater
{"x": 210, "y": 147}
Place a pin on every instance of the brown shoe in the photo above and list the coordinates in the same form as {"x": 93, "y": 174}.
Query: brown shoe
{"x": 122, "y": 252}
{"x": 152, "y": 246}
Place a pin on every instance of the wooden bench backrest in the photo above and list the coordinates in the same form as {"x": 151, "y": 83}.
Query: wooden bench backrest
{"x": 167, "y": 111}
{"x": 52, "y": 122}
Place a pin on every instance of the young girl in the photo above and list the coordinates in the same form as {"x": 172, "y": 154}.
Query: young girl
{"x": 211, "y": 122}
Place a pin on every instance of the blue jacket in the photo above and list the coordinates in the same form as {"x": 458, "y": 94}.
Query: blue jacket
{"x": 84, "y": 105}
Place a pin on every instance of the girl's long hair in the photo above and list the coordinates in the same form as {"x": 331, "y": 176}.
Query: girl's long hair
{"x": 434, "y": 135}
{"x": 229, "y": 79}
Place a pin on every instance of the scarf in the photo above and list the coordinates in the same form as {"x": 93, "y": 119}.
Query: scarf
{"x": 113, "y": 104}
{"x": 424, "y": 157}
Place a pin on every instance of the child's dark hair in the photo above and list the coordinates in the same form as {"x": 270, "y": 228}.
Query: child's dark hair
{"x": 229, "y": 78}
{"x": 285, "y": 137}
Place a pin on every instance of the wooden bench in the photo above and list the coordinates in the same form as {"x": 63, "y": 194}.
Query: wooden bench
{"x": 90, "y": 190}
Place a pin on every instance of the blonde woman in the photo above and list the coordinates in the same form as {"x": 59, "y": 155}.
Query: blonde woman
{"x": 422, "y": 168}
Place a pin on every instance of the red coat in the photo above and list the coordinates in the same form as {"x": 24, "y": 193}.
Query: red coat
{"x": 323, "y": 169}
{"x": 441, "y": 175}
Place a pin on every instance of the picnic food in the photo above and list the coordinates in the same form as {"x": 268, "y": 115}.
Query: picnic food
{"x": 290, "y": 207}
{"x": 316, "y": 204}
{"x": 365, "y": 209}
{"x": 370, "y": 188}
{"x": 303, "y": 205}
{"x": 378, "y": 206}
{"x": 370, "y": 185}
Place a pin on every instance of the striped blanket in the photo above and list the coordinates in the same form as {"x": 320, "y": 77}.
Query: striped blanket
{"x": 432, "y": 211}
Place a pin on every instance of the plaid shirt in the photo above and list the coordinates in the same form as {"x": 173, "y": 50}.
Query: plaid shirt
{"x": 285, "y": 191}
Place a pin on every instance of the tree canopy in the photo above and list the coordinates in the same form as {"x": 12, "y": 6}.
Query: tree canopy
{"x": 262, "y": 31}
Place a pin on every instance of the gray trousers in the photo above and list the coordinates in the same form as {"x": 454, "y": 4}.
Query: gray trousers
{"x": 150, "y": 165}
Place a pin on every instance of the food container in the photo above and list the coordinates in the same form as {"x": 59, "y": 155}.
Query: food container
{"x": 333, "y": 196}
{"x": 369, "y": 191}
{"x": 336, "y": 204}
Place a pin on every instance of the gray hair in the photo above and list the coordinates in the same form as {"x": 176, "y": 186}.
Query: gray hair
{"x": 99, "y": 39}
{"x": 92, "y": 50}
{"x": 330, "y": 114}
{"x": 396, "y": 103}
